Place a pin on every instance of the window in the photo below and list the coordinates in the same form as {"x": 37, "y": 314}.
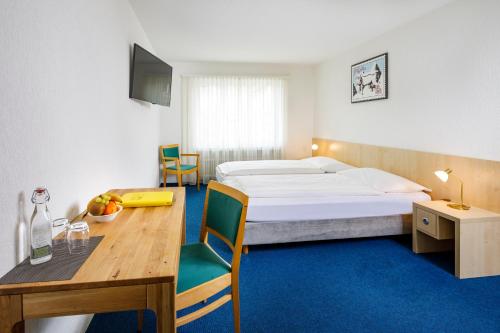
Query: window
{"x": 229, "y": 118}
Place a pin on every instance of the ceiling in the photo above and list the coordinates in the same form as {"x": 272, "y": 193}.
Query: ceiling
{"x": 271, "y": 31}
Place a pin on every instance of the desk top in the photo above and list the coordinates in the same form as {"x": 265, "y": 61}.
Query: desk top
{"x": 141, "y": 246}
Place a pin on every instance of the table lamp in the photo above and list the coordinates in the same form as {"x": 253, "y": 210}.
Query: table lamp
{"x": 443, "y": 176}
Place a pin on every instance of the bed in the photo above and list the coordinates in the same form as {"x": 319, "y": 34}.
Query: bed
{"x": 312, "y": 165}
{"x": 360, "y": 202}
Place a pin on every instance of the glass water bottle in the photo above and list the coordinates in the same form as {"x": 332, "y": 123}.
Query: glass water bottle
{"x": 41, "y": 228}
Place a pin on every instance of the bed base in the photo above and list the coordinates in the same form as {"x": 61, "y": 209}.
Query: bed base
{"x": 301, "y": 231}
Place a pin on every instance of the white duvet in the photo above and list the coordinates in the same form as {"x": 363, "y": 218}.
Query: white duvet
{"x": 266, "y": 167}
{"x": 294, "y": 185}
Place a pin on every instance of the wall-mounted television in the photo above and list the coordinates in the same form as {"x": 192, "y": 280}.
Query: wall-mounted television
{"x": 151, "y": 78}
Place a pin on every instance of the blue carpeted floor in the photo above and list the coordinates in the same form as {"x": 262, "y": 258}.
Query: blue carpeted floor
{"x": 359, "y": 285}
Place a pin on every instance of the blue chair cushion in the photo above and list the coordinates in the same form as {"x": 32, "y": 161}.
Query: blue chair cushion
{"x": 184, "y": 167}
{"x": 199, "y": 264}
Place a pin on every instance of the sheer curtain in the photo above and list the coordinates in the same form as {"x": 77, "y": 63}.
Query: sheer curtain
{"x": 232, "y": 118}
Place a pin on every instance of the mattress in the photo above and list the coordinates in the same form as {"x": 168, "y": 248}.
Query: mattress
{"x": 330, "y": 208}
{"x": 328, "y": 196}
{"x": 265, "y": 167}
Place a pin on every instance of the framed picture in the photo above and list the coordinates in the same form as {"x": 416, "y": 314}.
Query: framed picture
{"x": 369, "y": 79}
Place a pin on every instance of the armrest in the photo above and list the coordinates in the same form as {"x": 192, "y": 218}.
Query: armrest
{"x": 164, "y": 161}
{"x": 194, "y": 155}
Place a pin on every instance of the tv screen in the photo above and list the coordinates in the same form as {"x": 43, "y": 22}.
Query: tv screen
{"x": 151, "y": 78}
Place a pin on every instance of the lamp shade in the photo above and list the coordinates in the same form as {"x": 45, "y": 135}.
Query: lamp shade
{"x": 314, "y": 146}
{"x": 442, "y": 175}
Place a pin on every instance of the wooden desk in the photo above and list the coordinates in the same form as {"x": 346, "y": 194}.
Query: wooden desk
{"x": 474, "y": 234}
{"x": 134, "y": 267}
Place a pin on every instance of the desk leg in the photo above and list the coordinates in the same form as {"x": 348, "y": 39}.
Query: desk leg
{"x": 161, "y": 299}
{"x": 19, "y": 327}
{"x": 184, "y": 227}
{"x": 140, "y": 320}
{"x": 11, "y": 314}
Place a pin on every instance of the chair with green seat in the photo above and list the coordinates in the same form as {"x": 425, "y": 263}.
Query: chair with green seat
{"x": 202, "y": 272}
{"x": 171, "y": 153}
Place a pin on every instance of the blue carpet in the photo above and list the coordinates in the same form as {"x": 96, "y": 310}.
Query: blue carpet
{"x": 359, "y": 285}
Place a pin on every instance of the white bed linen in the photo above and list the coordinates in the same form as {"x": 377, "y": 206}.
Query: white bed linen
{"x": 312, "y": 185}
{"x": 265, "y": 167}
{"x": 334, "y": 207}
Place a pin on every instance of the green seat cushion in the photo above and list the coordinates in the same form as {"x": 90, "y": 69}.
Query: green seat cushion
{"x": 184, "y": 167}
{"x": 199, "y": 264}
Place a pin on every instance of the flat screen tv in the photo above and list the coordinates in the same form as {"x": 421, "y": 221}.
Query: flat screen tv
{"x": 151, "y": 78}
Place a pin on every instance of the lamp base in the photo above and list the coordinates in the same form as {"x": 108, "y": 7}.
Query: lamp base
{"x": 458, "y": 206}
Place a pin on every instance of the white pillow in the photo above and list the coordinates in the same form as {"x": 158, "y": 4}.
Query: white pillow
{"x": 327, "y": 164}
{"x": 384, "y": 181}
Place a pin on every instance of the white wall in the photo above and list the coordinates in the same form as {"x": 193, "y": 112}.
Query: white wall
{"x": 300, "y": 100}
{"x": 443, "y": 90}
{"x": 66, "y": 119}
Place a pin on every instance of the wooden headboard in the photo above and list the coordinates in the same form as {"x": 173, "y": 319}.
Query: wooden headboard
{"x": 481, "y": 177}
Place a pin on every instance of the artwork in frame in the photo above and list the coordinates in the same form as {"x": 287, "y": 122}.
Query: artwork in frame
{"x": 369, "y": 79}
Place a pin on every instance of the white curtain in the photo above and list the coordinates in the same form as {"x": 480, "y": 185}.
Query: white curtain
{"x": 233, "y": 118}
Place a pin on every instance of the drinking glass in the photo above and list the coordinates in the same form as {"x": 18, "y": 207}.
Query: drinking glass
{"x": 77, "y": 237}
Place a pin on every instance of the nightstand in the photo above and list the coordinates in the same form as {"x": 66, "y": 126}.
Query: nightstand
{"x": 474, "y": 235}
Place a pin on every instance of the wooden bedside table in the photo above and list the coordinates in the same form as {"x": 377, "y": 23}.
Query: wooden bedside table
{"x": 474, "y": 234}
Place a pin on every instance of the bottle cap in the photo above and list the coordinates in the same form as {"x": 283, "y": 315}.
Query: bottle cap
{"x": 39, "y": 191}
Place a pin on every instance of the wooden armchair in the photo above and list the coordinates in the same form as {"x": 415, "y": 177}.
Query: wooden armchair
{"x": 171, "y": 153}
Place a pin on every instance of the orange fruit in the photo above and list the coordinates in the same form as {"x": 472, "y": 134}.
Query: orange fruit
{"x": 110, "y": 208}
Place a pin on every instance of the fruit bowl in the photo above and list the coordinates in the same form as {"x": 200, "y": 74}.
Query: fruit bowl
{"x": 106, "y": 218}
{"x": 105, "y": 207}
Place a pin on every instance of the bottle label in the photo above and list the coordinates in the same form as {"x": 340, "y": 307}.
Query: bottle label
{"x": 40, "y": 252}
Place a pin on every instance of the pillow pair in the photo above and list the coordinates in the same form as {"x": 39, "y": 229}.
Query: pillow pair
{"x": 383, "y": 181}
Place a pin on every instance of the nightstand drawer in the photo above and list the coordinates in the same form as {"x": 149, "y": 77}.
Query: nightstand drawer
{"x": 427, "y": 222}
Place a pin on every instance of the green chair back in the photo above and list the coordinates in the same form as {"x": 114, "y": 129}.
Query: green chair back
{"x": 171, "y": 152}
{"x": 223, "y": 215}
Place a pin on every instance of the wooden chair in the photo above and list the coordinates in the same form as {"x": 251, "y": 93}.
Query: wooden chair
{"x": 171, "y": 153}
{"x": 202, "y": 272}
